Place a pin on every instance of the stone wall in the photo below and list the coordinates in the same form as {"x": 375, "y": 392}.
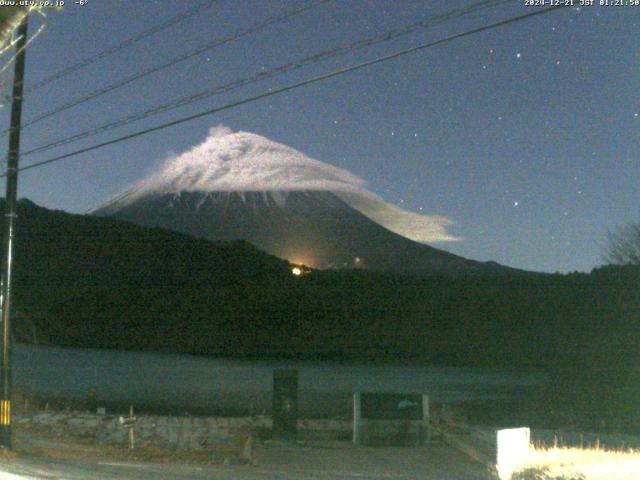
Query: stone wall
{"x": 187, "y": 433}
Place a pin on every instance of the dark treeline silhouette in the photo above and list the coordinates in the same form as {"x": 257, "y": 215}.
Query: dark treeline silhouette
{"x": 85, "y": 281}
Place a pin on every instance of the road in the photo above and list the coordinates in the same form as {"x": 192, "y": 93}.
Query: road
{"x": 272, "y": 462}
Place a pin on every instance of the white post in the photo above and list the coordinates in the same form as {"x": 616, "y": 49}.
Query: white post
{"x": 131, "y": 434}
{"x": 426, "y": 420}
{"x": 357, "y": 436}
{"x": 512, "y": 450}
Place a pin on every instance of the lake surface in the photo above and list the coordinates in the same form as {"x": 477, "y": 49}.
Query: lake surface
{"x": 223, "y": 385}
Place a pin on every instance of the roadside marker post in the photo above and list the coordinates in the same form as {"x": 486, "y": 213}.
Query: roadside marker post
{"x": 512, "y": 450}
{"x": 129, "y": 423}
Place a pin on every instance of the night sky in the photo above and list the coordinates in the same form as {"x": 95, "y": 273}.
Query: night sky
{"x": 526, "y": 136}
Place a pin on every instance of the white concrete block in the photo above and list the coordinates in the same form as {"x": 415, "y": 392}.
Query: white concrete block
{"x": 512, "y": 450}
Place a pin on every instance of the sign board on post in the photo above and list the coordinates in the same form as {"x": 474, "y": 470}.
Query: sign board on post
{"x": 391, "y": 406}
{"x": 129, "y": 423}
{"x": 390, "y": 418}
{"x": 285, "y": 405}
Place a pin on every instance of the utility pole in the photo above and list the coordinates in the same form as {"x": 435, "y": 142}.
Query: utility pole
{"x": 10, "y": 215}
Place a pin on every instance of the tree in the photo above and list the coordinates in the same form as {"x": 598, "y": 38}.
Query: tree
{"x": 624, "y": 246}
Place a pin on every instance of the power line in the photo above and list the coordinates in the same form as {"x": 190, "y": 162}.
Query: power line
{"x": 181, "y": 58}
{"x": 122, "y": 45}
{"x": 7, "y": 64}
{"x": 262, "y": 75}
{"x": 294, "y": 86}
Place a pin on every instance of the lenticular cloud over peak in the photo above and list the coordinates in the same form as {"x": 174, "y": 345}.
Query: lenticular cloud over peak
{"x": 241, "y": 162}
{"x": 245, "y": 162}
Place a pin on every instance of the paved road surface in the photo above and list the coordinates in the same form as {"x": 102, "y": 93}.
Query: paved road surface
{"x": 273, "y": 462}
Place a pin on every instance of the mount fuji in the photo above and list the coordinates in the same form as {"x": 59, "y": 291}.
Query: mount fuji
{"x": 241, "y": 186}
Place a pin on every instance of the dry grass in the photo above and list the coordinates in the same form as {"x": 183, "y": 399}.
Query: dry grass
{"x": 565, "y": 463}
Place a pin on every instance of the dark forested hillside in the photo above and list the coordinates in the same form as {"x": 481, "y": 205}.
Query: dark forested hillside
{"x": 87, "y": 281}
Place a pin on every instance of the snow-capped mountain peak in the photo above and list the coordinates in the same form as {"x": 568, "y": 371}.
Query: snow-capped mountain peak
{"x": 240, "y": 162}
